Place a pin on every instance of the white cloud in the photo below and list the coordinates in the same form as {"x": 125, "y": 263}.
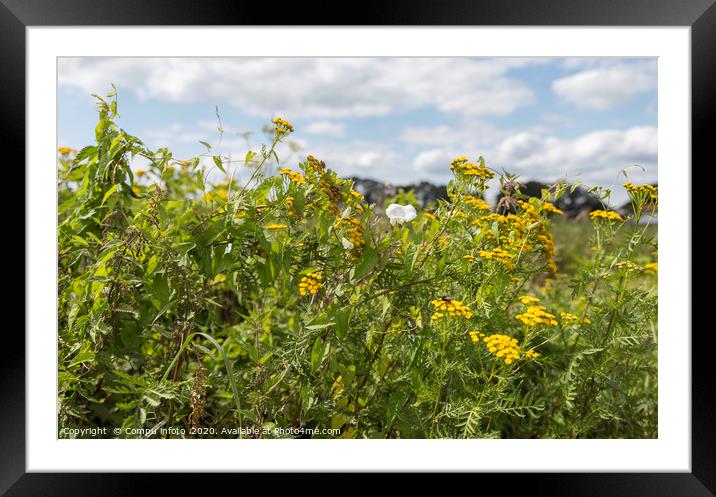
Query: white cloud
{"x": 606, "y": 86}
{"x": 326, "y": 128}
{"x": 313, "y": 87}
{"x": 471, "y": 134}
{"x": 597, "y": 156}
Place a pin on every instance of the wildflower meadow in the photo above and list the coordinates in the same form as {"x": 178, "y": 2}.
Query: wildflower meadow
{"x": 286, "y": 305}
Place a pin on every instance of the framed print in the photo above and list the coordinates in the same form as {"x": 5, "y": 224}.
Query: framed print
{"x": 424, "y": 241}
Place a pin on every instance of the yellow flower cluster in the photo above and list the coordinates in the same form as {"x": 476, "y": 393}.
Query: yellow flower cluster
{"x": 628, "y": 266}
{"x": 529, "y": 210}
{"x": 500, "y": 256}
{"x": 317, "y": 165}
{"x": 353, "y": 231}
{"x": 652, "y": 267}
{"x": 528, "y": 299}
{"x": 281, "y": 126}
{"x": 608, "y": 215}
{"x": 531, "y": 354}
{"x": 643, "y": 191}
{"x": 310, "y": 283}
{"x": 548, "y": 249}
{"x": 289, "y": 205}
{"x": 275, "y": 226}
{"x": 476, "y": 203}
{"x": 430, "y": 216}
{"x": 536, "y": 314}
{"x": 503, "y": 346}
{"x": 451, "y": 308}
{"x": 330, "y": 187}
{"x": 568, "y": 318}
{"x": 475, "y": 336}
{"x": 293, "y": 175}
{"x": 65, "y": 150}
{"x": 469, "y": 258}
{"x": 549, "y": 207}
{"x": 462, "y": 166}
{"x": 357, "y": 196}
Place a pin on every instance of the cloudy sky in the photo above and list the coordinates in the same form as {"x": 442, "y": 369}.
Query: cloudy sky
{"x": 391, "y": 119}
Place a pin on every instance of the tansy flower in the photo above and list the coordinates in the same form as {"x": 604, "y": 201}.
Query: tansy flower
{"x": 551, "y": 208}
{"x": 453, "y": 308}
{"x": 528, "y": 299}
{"x": 652, "y": 267}
{"x": 310, "y": 283}
{"x": 500, "y": 256}
{"x": 292, "y": 175}
{"x": 647, "y": 192}
{"x": 281, "y": 126}
{"x": 65, "y": 150}
{"x": 531, "y": 354}
{"x": 607, "y": 215}
{"x": 503, "y": 346}
{"x": 536, "y": 314}
{"x": 476, "y": 203}
{"x": 568, "y": 318}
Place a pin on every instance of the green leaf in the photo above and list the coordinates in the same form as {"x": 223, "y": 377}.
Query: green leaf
{"x": 319, "y": 326}
{"x": 366, "y": 264}
{"x": 217, "y": 161}
{"x": 109, "y": 193}
{"x": 316, "y": 354}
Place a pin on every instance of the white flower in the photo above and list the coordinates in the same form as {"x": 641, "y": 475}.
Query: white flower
{"x": 399, "y": 214}
{"x": 347, "y": 244}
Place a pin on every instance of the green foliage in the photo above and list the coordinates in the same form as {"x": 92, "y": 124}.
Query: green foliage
{"x": 286, "y": 302}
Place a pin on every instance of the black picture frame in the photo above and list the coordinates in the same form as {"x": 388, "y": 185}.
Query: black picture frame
{"x": 17, "y": 15}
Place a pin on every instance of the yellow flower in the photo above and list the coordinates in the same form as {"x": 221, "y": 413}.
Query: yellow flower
{"x": 461, "y": 166}
{"x": 607, "y": 215}
{"x": 353, "y": 230}
{"x": 551, "y": 208}
{"x": 652, "y": 267}
{"x": 469, "y": 258}
{"x": 65, "y": 150}
{"x": 500, "y": 256}
{"x": 430, "y": 216}
{"x": 476, "y": 203}
{"x": 536, "y": 314}
{"x": 140, "y": 172}
{"x": 531, "y": 354}
{"x": 281, "y": 126}
{"x": 528, "y": 299}
{"x": 503, "y": 347}
{"x": 645, "y": 192}
{"x": 275, "y": 226}
{"x": 310, "y": 283}
{"x": 568, "y": 318}
{"x": 453, "y": 308}
{"x": 293, "y": 175}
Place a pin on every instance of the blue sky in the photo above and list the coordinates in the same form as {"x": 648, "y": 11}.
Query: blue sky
{"x": 392, "y": 119}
